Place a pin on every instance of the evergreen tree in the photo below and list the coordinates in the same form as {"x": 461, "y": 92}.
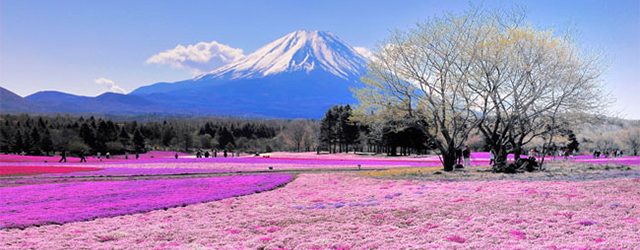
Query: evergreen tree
{"x": 167, "y": 136}
{"x": 87, "y": 135}
{"x": 46, "y": 142}
{"x": 573, "y": 141}
{"x": 123, "y": 137}
{"x": 327, "y": 125}
{"x": 138, "y": 141}
{"x": 34, "y": 144}
{"x": 225, "y": 138}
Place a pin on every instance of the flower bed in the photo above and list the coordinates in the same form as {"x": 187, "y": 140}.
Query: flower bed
{"x": 77, "y": 201}
{"x": 347, "y": 211}
{"x": 30, "y": 170}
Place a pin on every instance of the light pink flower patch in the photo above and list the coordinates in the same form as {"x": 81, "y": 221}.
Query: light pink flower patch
{"x": 266, "y": 239}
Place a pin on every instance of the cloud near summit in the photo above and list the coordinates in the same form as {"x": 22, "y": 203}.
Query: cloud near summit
{"x": 366, "y": 52}
{"x": 200, "y": 58}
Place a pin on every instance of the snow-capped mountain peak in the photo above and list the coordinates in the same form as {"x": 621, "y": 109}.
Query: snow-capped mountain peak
{"x": 297, "y": 51}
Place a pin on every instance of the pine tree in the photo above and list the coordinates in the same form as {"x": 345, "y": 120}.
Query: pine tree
{"x": 138, "y": 141}
{"x": 87, "y": 135}
{"x": 225, "y": 138}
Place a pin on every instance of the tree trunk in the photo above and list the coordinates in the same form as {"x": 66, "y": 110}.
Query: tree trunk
{"x": 449, "y": 160}
{"x": 517, "y": 150}
{"x": 500, "y": 160}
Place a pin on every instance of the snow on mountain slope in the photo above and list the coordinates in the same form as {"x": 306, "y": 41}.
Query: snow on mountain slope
{"x": 297, "y": 51}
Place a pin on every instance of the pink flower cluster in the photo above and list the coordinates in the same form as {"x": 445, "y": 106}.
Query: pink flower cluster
{"x": 76, "y": 201}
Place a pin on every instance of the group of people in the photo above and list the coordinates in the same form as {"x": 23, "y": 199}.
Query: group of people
{"x": 607, "y": 153}
{"x": 83, "y": 158}
{"x": 200, "y": 154}
{"x": 63, "y": 156}
{"x": 214, "y": 153}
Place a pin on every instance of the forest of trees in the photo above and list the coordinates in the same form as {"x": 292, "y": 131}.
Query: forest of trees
{"x": 43, "y": 135}
{"x": 339, "y": 132}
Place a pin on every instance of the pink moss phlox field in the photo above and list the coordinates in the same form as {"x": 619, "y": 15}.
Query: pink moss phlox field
{"x": 118, "y": 171}
{"x": 77, "y": 201}
{"x": 49, "y": 159}
{"x": 33, "y": 170}
{"x": 314, "y": 212}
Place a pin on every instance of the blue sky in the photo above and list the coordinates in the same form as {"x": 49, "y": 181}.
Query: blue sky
{"x": 86, "y": 47}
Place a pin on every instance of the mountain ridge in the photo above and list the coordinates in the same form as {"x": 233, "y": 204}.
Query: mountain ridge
{"x": 299, "y": 75}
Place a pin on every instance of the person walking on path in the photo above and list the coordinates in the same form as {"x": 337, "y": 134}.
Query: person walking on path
{"x": 466, "y": 153}
{"x": 63, "y": 154}
{"x": 82, "y": 159}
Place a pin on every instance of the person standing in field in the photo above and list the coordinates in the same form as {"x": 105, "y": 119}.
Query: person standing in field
{"x": 466, "y": 153}
{"x": 82, "y": 159}
{"x": 63, "y": 154}
{"x": 176, "y": 155}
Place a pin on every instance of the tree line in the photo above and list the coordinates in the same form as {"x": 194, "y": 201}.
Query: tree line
{"x": 340, "y": 132}
{"x": 45, "y": 135}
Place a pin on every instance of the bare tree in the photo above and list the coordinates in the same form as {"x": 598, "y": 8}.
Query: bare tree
{"x": 421, "y": 76}
{"x": 537, "y": 84}
{"x": 481, "y": 69}
{"x": 296, "y": 132}
{"x": 631, "y": 137}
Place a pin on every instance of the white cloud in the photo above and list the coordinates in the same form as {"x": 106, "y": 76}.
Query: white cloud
{"x": 109, "y": 85}
{"x": 366, "y": 52}
{"x": 200, "y": 58}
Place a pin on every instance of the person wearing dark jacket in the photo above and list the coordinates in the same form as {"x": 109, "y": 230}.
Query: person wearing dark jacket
{"x": 63, "y": 154}
{"x": 82, "y": 159}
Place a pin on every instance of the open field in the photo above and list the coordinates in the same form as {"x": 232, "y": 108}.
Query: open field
{"x": 317, "y": 202}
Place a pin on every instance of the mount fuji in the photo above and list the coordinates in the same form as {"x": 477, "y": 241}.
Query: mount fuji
{"x": 300, "y": 75}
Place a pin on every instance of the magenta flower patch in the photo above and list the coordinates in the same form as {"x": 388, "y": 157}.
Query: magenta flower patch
{"x": 79, "y": 201}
